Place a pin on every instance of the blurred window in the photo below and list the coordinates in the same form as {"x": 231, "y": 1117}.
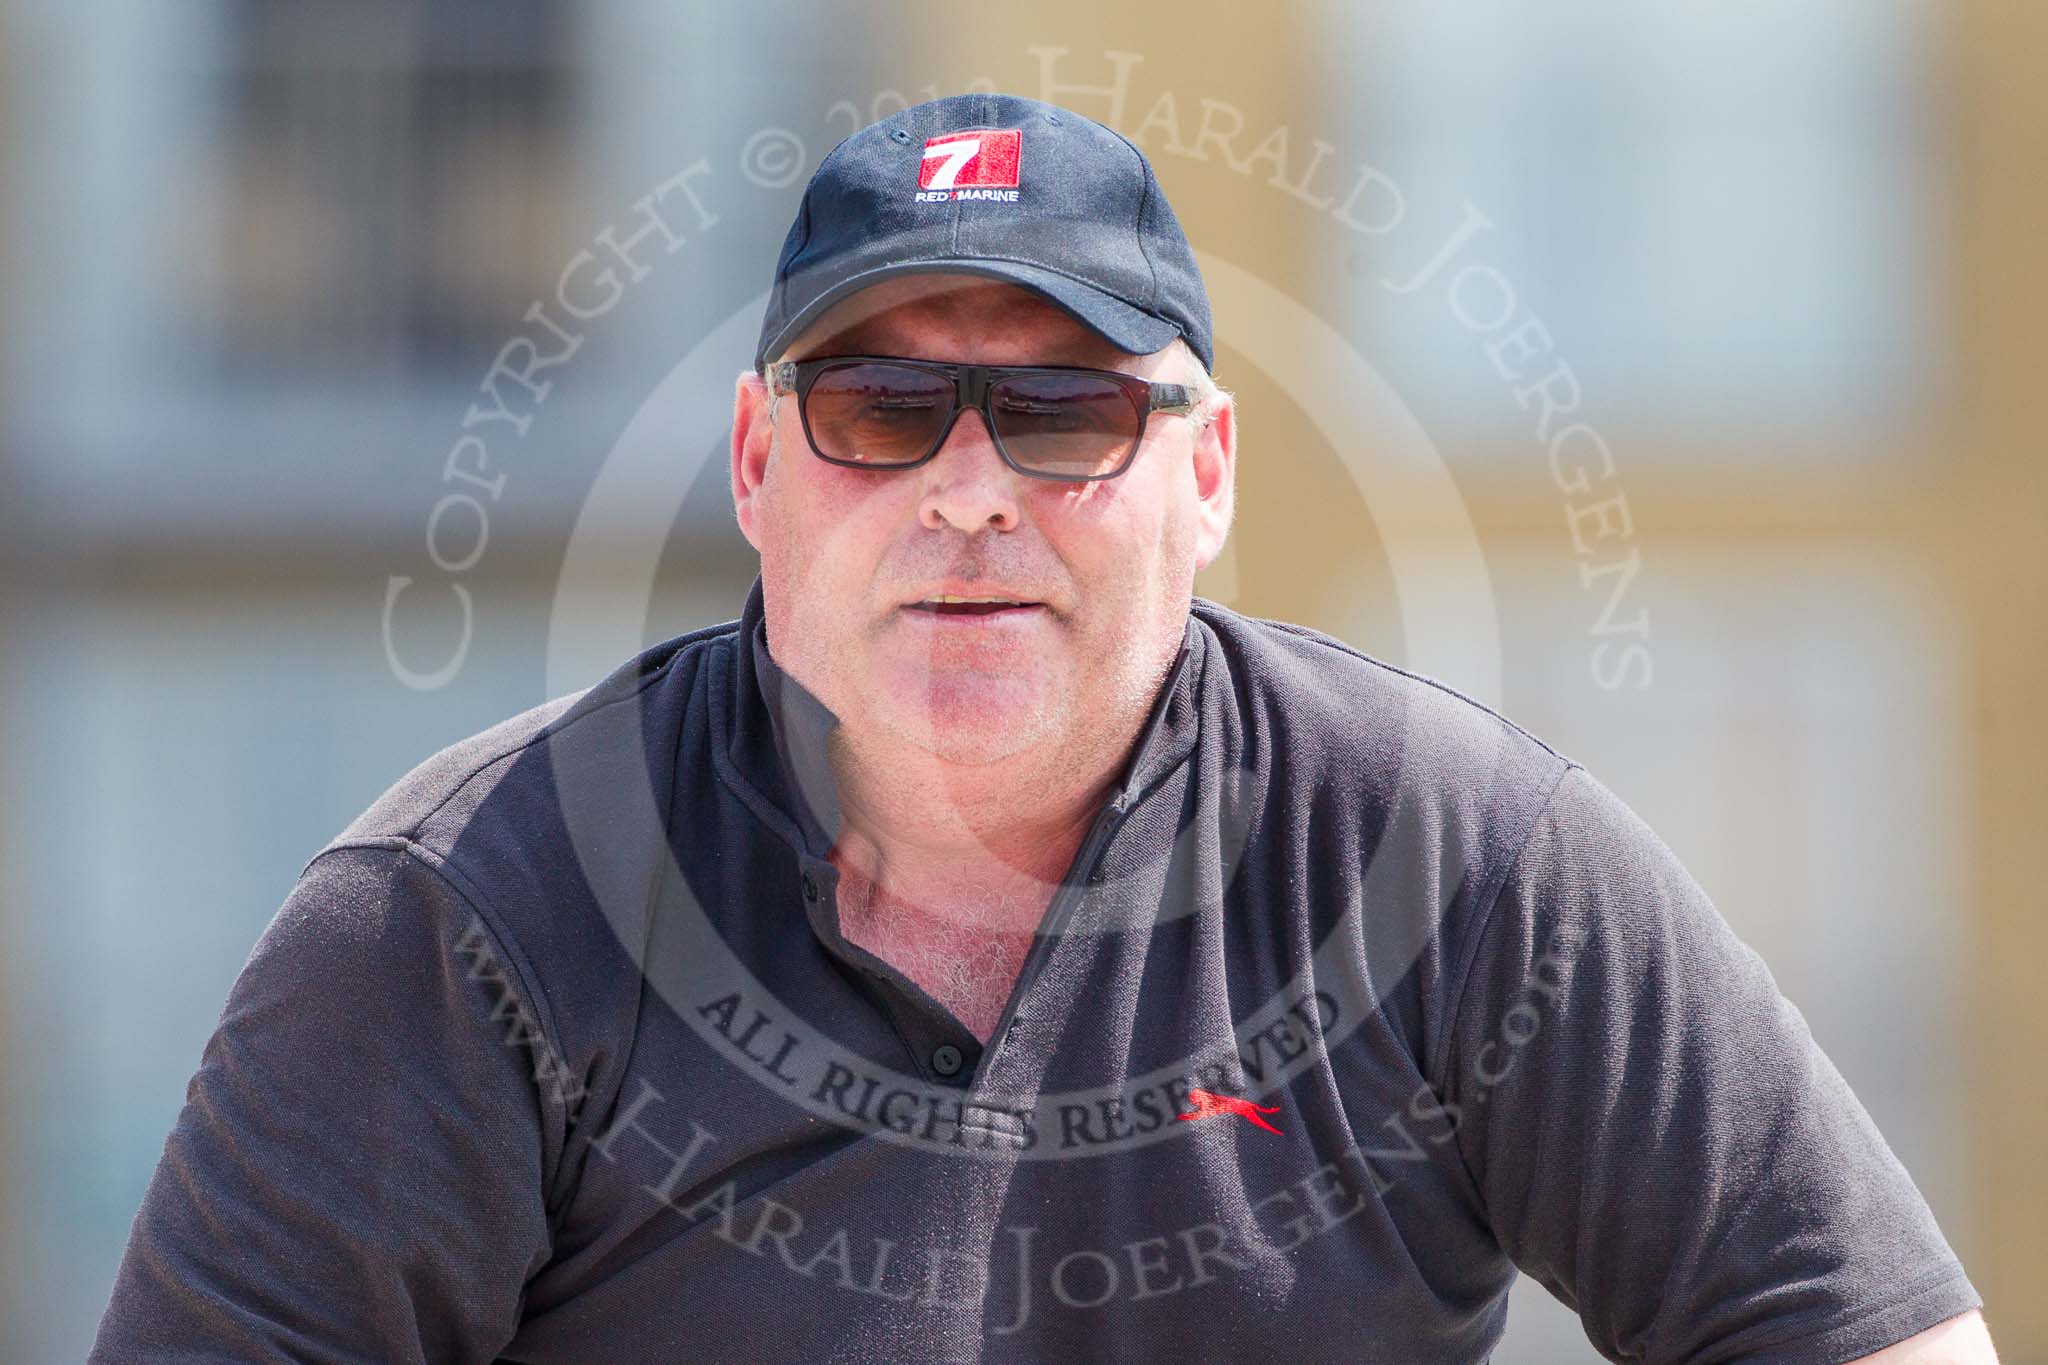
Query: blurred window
{"x": 385, "y": 186}
{"x": 1722, "y": 212}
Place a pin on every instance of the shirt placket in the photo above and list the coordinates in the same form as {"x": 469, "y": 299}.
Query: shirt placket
{"x": 941, "y": 1049}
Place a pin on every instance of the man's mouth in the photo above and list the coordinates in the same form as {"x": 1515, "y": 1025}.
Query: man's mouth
{"x": 970, "y": 606}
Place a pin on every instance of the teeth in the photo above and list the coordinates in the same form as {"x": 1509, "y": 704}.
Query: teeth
{"x": 1006, "y": 600}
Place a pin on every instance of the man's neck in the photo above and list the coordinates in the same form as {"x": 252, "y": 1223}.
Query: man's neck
{"x": 989, "y": 842}
{"x": 947, "y": 876}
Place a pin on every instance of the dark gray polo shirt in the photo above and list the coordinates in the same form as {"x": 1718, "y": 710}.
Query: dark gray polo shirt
{"x": 556, "y": 1054}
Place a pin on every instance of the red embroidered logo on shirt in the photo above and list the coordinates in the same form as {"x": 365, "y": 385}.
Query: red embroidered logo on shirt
{"x": 1208, "y": 1105}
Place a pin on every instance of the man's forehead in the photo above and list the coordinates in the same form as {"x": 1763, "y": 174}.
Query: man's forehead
{"x": 940, "y": 310}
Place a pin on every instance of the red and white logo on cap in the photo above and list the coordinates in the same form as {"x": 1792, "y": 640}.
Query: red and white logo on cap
{"x": 977, "y": 159}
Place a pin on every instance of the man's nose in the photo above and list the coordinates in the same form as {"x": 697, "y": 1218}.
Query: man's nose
{"x": 967, "y": 485}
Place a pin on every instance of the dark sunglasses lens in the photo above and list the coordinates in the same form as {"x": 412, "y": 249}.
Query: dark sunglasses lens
{"x": 877, "y": 414}
{"x": 1072, "y": 426}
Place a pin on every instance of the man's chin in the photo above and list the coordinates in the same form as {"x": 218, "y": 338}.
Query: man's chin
{"x": 975, "y": 724}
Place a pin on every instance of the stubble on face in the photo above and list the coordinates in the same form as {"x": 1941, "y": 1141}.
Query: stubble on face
{"x": 984, "y": 721}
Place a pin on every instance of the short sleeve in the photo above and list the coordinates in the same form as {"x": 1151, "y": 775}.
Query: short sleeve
{"x": 1655, "y": 1135}
{"x": 357, "y": 1171}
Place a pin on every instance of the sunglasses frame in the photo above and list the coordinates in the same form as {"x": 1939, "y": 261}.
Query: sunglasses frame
{"x": 972, "y": 385}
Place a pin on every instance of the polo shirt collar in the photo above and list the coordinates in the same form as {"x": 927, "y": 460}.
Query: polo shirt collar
{"x": 780, "y": 733}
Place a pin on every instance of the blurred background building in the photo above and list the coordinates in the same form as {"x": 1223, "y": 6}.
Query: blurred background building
{"x": 260, "y": 260}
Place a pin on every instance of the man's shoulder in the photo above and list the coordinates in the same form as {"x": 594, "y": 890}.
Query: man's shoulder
{"x": 503, "y": 769}
{"x": 529, "y": 842}
{"x": 1435, "y": 792}
{"x": 1339, "y": 698}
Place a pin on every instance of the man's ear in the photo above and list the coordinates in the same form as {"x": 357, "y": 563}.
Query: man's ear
{"x": 1215, "y": 468}
{"x": 751, "y": 429}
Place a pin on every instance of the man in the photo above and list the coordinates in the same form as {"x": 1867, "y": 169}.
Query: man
{"x": 983, "y": 949}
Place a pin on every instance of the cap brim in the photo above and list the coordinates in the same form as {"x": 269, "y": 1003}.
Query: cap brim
{"x": 1127, "y": 328}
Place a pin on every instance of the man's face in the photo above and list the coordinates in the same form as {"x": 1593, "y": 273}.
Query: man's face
{"x": 1106, "y": 568}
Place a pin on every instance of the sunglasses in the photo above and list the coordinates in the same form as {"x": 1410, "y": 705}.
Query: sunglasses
{"x": 1048, "y": 421}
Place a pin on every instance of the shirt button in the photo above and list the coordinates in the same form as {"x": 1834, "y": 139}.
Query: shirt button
{"x": 810, "y": 887}
{"x": 946, "y": 1059}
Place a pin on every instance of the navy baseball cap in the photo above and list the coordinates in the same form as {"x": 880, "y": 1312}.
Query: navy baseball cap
{"x": 1001, "y": 186}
